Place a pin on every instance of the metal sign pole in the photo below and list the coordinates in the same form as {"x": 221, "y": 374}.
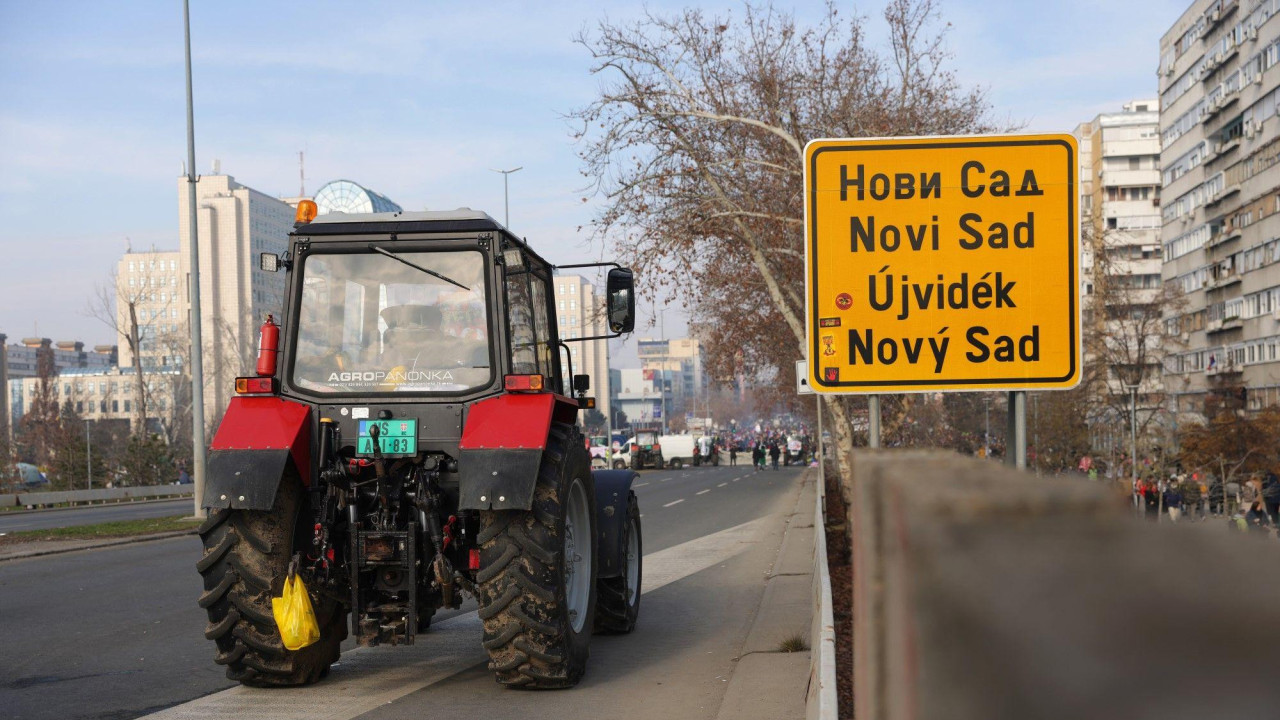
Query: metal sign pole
{"x": 873, "y": 421}
{"x": 1016, "y": 438}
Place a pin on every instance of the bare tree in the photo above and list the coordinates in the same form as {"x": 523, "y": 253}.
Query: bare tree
{"x": 1127, "y": 337}
{"x": 117, "y": 307}
{"x": 696, "y": 141}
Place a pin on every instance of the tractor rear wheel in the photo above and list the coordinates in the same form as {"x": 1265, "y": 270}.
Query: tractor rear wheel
{"x": 537, "y": 577}
{"x": 618, "y": 598}
{"x": 246, "y": 558}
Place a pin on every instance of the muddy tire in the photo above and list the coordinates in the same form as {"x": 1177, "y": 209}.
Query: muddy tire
{"x": 618, "y": 598}
{"x": 619, "y": 465}
{"x": 246, "y": 558}
{"x": 676, "y": 463}
{"x": 537, "y": 577}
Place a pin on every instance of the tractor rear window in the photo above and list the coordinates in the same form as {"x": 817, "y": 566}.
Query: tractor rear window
{"x": 369, "y": 323}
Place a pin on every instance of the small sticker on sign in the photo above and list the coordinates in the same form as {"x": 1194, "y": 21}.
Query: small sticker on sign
{"x": 844, "y": 301}
{"x": 829, "y": 322}
{"x": 359, "y": 413}
{"x": 831, "y": 374}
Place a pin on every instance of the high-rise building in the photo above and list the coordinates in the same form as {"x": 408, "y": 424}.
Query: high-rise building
{"x": 151, "y": 290}
{"x": 679, "y": 361}
{"x": 235, "y": 224}
{"x": 581, "y": 314}
{"x": 1220, "y": 141}
{"x": 1121, "y": 263}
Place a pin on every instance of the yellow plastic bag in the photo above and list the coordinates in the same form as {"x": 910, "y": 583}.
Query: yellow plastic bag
{"x": 294, "y": 616}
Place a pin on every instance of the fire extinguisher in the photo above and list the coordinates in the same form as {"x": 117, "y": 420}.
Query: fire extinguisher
{"x": 268, "y": 347}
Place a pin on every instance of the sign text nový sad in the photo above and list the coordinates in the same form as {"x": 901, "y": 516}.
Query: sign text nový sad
{"x": 942, "y": 263}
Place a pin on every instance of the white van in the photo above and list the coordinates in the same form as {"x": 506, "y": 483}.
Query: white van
{"x": 677, "y": 450}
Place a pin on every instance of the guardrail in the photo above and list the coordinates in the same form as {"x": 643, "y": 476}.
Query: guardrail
{"x": 92, "y": 496}
{"x": 821, "y": 703}
{"x": 982, "y": 592}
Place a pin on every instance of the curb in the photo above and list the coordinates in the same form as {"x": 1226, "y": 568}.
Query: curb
{"x": 822, "y": 703}
{"x": 93, "y": 545}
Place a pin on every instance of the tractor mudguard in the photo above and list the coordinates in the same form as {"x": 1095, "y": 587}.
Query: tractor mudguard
{"x": 256, "y": 440}
{"x": 612, "y": 489}
{"x": 501, "y": 448}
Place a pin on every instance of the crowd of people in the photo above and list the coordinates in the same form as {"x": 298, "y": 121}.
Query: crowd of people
{"x": 1251, "y": 504}
{"x": 772, "y": 448}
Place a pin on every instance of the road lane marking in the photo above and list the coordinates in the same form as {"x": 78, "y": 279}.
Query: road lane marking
{"x": 722, "y": 484}
{"x": 640, "y": 484}
{"x": 663, "y": 479}
{"x": 674, "y": 502}
{"x": 366, "y": 679}
{"x": 703, "y": 492}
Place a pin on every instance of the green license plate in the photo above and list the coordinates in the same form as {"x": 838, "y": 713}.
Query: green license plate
{"x": 396, "y": 437}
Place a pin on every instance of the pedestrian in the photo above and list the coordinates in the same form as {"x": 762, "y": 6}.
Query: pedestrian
{"x": 1173, "y": 501}
{"x": 733, "y": 454}
{"x": 1253, "y": 505}
{"x": 756, "y": 454}
{"x": 1233, "y": 490}
{"x": 1271, "y": 498}
{"x": 1151, "y": 499}
{"x": 1190, "y": 491}
{"x": 774, "y": 452}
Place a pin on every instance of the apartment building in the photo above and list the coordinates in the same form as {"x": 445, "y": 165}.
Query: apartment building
{"x": 1220, "y": 140}
{"x": 20, "y": 362}
{"x": 1121, "y": 260}
{"x": 581, "y": 314}
{"x": 235, "y": 224}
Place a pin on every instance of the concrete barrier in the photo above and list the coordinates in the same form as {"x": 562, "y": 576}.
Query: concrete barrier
{"x": 982, "y": 592}
{"x": 96, "y": 496}
{"x": 821, "y": 702}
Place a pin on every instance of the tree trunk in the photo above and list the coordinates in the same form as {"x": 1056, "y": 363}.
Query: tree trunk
{"x": 138, "y": 422}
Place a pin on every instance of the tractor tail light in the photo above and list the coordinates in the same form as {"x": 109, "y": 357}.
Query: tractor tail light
{"x": 635, "y": 448}
{"x": 523, "y": 383}
{"x": 473, "y": 559}
{"x": 255, "y": 385}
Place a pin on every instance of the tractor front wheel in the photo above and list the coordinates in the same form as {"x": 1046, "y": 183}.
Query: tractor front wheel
{"x": 537, "y": 577}
{"x": 618, "y": 598}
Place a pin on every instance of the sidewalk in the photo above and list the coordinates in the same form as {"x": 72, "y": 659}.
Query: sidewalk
{"x": 769, "y": 683}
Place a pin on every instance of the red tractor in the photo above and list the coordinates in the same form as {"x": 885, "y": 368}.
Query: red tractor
{"x": 410, "y": 439}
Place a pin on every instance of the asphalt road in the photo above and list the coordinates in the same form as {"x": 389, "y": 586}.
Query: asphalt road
{"x": 115, "y": 633}
{"x": 93, "y": 514}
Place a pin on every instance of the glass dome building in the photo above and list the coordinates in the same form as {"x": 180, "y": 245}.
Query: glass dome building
{"x": 345, "y": 196}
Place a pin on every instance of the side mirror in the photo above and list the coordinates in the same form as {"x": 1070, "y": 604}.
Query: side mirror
{"x": 581, "y": 384}
{"x": 620, "y": 288}
{"x": 269, "y": 262}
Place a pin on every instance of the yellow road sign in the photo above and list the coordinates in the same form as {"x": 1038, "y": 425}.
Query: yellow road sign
{"x": 942, "y": 263}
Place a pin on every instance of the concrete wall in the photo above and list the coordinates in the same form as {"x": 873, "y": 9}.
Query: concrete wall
{"x": 981, "y": 592}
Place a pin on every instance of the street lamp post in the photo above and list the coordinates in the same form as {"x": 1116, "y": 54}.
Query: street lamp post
{"x": 506, "y": 208}
{"x": 1133, "y": 432}
{"x": 88, "y": 456}
{"x": 197, "y": 347}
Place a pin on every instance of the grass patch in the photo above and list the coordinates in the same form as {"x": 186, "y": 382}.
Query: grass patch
{"x": 796, "y": 642}
{"x": 117, "y": 529}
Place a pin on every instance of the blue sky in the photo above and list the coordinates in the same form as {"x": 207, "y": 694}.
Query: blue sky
{"x": 418, "y": 100}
